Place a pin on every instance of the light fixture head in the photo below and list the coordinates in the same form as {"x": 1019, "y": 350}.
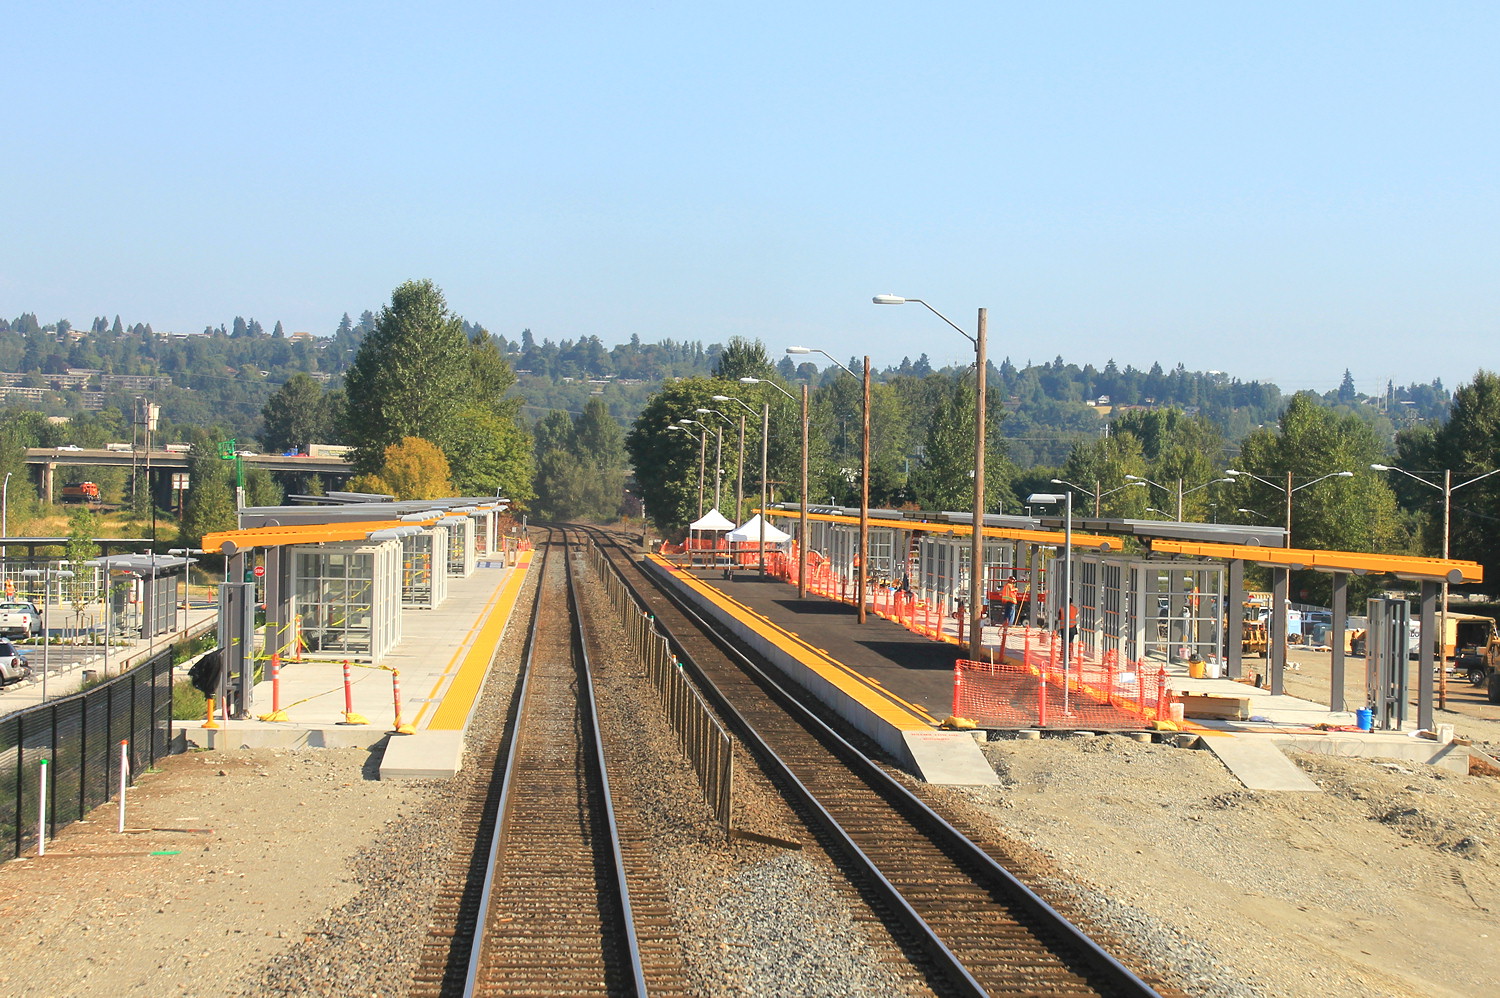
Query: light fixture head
{"x": 798, "y": 350}
{"x": 1044, "y": 498}
{"x": 1134, "y": 478}
{"x": 1231, "y": 472}
{"x": 721, "y": 398}
{"x": 1344, "y": 474}
{"x": 1380, "y": 467}
{"x": 752, "y": 381}
{"x": 889, "y": 300}
{"x": 704, "y": 411}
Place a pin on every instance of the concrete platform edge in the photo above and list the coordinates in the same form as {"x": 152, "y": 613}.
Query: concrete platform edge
{"x": 938, "y": 757}
{"x": 426, "y": 755}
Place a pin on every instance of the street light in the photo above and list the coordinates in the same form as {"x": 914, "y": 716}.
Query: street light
{"x": 739, "y": 468}
{"x": 740, "y": 465}
{"x": 1288, "y": 490}
{"x": 46, "y": 577}
{"x": 1180, "y": 492}
{"x": 1066, "y": 610}
{"x": 976, "y": 552}
{"x": 1447, "y": 488}
{"x": 1096, "y": 495}
{"x": 765, "y": 437}
{"x": 864, "y": 474}
{"x": 718, "y": 456}
{"x": 4, "y": 516}
{"x": 702, "y": 447}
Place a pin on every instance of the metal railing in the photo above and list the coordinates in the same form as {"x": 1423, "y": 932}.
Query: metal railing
{"x": 703, "y": 740}
{"x": 79, "y": 736}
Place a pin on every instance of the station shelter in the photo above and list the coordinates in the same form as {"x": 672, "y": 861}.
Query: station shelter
{"x": 336, "y": 577}
{"x": 1178, "y": 597}
{"x": 424, "y": 567}
{"x": 147, "y": 590}
{"x": 347, "y": 596}
{"x": 462, "y": 559}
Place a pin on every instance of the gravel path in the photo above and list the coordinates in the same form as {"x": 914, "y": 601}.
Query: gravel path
{"x": 298, "y": 873}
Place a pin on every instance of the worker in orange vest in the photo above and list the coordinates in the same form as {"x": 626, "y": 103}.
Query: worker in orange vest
{"x": 1008, "y": 598}
{"x": 1072, "y": 632}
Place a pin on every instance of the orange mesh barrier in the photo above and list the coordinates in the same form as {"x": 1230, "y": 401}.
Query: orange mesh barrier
{"x": 1033, "y": 693}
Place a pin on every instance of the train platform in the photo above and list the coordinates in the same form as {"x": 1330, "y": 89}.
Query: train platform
{"x": 441, "y": 663}
{"x": 894, "y": 664}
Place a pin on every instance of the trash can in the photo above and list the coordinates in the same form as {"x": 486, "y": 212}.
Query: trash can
{"x": 89, "y": 675}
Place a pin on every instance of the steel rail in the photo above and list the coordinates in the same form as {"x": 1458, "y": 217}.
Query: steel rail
{"x": 623, "y": 927}
{"x": 980, "y": 866}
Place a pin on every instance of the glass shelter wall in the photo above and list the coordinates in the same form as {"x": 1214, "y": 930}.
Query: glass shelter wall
{"x": 460, "y": 546}
{"x": 349, "y": 598}
{"x": 424, "y": 570}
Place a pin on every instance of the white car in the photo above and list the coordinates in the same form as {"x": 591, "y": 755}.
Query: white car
{"x": 70, "y": 447}
{"x": 19, "y": 618}
{"x": 13, "y": 667}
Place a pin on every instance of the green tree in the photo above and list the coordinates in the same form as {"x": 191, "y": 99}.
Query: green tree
{"x": 944, "y": 477}
{"x": 83, "y": 528}
{"x": 743, "y": 358}
{"x": 295, "y": 415}
{"x": 581, "y": 463}
{"x": 1356, "y": 513}
{"x": 210, "y": 504}
{"x": 411, "y": 376}
{"x": 1468, "y": 445}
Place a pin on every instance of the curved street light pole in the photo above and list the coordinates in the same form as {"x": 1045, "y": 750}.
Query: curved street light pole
{"x": 976, "y": 550}
{"x": 702, "y": 453}
{"x": 721, "y": 447}
{"x": 1097, "y": 496}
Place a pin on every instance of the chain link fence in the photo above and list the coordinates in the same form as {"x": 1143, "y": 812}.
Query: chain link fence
{"x": 79, "y": 736}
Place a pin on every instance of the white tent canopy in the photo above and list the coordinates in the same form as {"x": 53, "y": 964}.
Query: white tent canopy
{"x": 750, "y": 532}
{"x": 712, "y": 520}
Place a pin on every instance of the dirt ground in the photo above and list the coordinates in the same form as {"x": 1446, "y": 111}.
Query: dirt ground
{"x": 229, "y": 857}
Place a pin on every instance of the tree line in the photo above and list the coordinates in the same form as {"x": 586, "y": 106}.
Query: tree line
{"x": 1162, "y": 462}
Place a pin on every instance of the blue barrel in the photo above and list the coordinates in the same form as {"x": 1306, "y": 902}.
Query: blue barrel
{"x": 1365, "y": 718}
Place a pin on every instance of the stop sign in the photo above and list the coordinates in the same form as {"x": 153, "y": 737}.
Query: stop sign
{"x": 260, "y": 570}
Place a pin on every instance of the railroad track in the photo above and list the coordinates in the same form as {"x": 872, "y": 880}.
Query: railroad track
{"x": 560, "y": 897}
{"x": 976, "y": 929}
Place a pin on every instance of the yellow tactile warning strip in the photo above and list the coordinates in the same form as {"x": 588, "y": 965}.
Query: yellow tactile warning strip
{"x": 876, "y": 698}
{"x": 472, "y": 659}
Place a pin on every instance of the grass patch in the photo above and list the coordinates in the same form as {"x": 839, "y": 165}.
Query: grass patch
{"x": 188, "y": 702}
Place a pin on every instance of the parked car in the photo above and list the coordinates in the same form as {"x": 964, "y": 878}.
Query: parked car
{"x": 13, "y": 666}
{"x": 19, "y": 618}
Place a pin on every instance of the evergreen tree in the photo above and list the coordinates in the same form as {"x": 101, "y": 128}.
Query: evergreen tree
{"x": 743, "y": 358}
{"x": 280, "y": 333}
{"x": 294, "y": 415}
{"x": 410, "y": 378}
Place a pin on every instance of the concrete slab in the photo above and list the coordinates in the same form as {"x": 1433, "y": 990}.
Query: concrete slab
{"x": 1259, "y": 764}
{"x": 258, "y": 734}
{"x": 951, "y": 758}
{"x": 426, "y": 755}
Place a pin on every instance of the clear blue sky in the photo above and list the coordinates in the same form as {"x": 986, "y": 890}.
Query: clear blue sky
{"x": 1276, "y": 190}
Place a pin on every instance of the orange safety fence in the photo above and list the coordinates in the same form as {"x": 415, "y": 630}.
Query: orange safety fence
{"x": 1107, "y": 694}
